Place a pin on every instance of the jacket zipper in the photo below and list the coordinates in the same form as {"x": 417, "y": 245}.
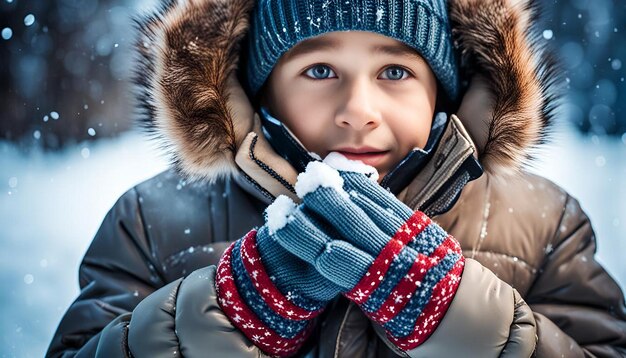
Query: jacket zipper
{"x": 343, "y": 323}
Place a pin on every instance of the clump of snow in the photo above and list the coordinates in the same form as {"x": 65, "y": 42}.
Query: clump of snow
{"x": 547, "y": 34}
{"x": 319, "y": 174}
{"x": 278, "y": 213}
{"x": 7, "y": 33}
{"x": 29, "y": 19}
{"x": 340, "y": 162}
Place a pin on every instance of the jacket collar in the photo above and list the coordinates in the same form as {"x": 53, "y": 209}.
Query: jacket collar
{"x": 433, "y": 190}
{"x": 191, "y": 100}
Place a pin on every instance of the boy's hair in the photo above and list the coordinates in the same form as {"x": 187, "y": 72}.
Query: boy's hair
{"x": 278, "y": 25}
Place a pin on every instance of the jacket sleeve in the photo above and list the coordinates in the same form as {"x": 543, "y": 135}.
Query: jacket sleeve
{"x": 487, "y": 318}
{"x": 123, "y": 296}
{"x": 573, "y": 309}
{"x": 182, "y": 318}
{"x": 578, "y": 307}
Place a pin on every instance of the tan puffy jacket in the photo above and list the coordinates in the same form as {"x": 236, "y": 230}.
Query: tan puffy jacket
{"x": 531, "y": 285}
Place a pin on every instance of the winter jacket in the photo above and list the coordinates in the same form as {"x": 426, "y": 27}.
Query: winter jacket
{"x": 531, "y": 285}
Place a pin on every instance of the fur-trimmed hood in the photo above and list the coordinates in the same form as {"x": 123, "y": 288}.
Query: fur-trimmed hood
{"x": 191, "y": 100}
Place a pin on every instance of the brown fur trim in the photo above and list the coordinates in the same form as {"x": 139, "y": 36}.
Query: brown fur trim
{"x": 188, "y": 50}
{"x": 190, "y": 99}
{"x": 496, "y": 40}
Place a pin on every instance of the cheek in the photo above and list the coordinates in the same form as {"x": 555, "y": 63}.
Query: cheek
{"x": 411, "y": 122}
{"x": 303, "y": 115}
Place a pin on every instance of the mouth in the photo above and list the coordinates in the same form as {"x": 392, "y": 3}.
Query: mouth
{"x": 367, "y": 155}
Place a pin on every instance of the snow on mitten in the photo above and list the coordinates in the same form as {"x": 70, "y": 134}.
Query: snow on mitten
{"x": 401, "y": 268}
{"x": 268, "y": 293}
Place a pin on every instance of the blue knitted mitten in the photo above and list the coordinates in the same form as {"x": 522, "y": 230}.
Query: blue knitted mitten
{"x": 268, "y": 293}
{"x": 401, "y": 268}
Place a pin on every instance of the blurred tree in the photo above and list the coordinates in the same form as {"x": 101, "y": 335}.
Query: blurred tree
{"x": 65, "y": 69}
{"x": 590, "y": 36}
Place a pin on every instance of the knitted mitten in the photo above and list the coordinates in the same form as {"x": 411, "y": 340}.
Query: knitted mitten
{"x": 268, "y": 293}
{"x": 401, "y": 268}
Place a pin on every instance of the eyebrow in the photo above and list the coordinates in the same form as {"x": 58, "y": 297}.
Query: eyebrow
{"x": 321, "y": 43}
{"x": 401, "y": 50}
{"x": 311, "y": 45}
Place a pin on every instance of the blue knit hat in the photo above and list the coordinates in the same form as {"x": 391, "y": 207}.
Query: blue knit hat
{"x": 278, "y": 25}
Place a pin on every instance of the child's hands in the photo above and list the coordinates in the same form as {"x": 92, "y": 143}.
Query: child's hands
{"x": 398, "y": 266}
{"x": 268, "y": 293}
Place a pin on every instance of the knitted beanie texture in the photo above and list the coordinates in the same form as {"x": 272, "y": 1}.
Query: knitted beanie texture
{"x": 278, "y": 25}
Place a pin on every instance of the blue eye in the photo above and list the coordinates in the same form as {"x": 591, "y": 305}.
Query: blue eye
{"x": 395, "y": 73}
{"x": 320, "y": 72}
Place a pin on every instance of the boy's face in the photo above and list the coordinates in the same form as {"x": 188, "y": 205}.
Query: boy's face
{"x": 362, "y": 94}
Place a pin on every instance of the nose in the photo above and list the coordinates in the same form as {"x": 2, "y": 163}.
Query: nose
{"x": 359, "y": 106}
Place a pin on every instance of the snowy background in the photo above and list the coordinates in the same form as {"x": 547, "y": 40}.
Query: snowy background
{"x": 68, "y": 150}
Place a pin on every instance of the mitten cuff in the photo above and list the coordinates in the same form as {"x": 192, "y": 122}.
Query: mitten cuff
{"x": 411, "y": 283}
{"x": 487, "y": 318}
{"x": 254, "y": 304}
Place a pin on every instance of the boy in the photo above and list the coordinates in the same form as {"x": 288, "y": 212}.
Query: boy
{"x": 353, "y": 270}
